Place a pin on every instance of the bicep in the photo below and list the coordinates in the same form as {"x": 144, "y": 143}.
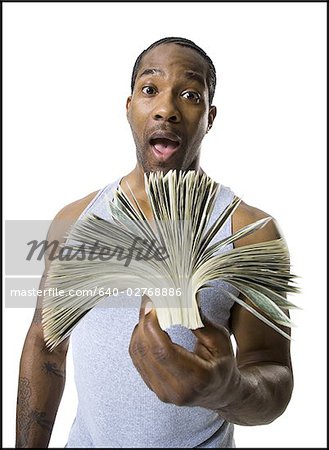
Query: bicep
{"x": 56, "y": 235}
{"x": 55, "y": 238}
{"x": 35, "y": 335}
{"x": 256, "y": 341}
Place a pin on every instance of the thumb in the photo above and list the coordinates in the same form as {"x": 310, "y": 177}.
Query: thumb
{"x": 212, "y": 339}
{"x": 146, "y": 307}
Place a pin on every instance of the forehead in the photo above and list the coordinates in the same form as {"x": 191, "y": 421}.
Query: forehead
{"x": 173, "y": 56}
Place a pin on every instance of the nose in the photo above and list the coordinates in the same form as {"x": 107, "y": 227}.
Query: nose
{"x": 166, "y": 109}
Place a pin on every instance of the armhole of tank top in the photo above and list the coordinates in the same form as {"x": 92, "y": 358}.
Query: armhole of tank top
{"x": 97, "y": 196}
{"x": 230, "y": 195}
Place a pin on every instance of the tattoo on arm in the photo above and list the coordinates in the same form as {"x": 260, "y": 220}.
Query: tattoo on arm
{"x": 26, "y": 416}
{"x": 51, "y": 369}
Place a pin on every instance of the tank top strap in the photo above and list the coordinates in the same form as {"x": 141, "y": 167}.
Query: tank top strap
{"x": 98, "y": 204}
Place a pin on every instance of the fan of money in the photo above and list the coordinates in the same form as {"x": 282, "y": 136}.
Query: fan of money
{"x": 174, "y": 256}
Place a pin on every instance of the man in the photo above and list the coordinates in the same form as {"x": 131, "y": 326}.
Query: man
{"x": 139, "y": 386}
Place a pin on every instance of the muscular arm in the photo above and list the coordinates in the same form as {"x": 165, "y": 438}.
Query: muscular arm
{"x": 40, "y": 386}
{"x": 42, "y": 373}
{"x": 265, "y": 382}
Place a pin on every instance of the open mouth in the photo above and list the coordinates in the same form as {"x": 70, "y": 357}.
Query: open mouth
{"x": 164, "y": 148}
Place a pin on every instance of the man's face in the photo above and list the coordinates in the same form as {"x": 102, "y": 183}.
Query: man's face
{"x": 168, "y": 111}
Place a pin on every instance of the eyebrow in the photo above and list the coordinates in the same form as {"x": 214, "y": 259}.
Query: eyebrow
{"x": 152, "y": 72}
{"x": 189, "y": 74}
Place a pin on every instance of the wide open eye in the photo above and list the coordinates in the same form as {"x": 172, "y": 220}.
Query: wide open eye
{"x": 149, "y": 90}
{"x": 192, "y": 96}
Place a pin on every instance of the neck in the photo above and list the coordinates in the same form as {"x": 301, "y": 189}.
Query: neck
{"x": 135, "y": 179}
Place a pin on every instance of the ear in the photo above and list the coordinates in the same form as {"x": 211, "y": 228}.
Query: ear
{"x": 211, "y": 116}
{"x": 128, "y": 102}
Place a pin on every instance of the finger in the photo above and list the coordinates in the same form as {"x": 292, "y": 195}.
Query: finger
{"x": 137, "y": 352}
{"x": 155, "y": 345}
{"x": 155, "y": 376}
{"x": 159, "y": 341}
{"x": 212, "y": 340}
{"x": 165, "y": 355}
{"x": 149, "y": 324}
{"x": 149, "y": 344}
{"x": 146, "y": 306}
{"x": 169, "y": 360}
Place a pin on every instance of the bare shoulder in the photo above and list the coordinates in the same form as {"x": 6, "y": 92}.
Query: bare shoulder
{"x": 67, "y": 216}
{"x": 245, "y": 215}
{"x": 74, "y": 209}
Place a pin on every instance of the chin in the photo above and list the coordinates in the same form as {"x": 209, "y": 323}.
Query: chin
{"x": 160, "y": 168}
{"x": 164, "y": 170}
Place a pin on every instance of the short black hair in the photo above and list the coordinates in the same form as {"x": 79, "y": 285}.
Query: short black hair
{"x": 211, "y": 75}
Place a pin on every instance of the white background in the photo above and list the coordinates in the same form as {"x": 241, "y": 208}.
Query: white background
{"x": 66, "y": 76}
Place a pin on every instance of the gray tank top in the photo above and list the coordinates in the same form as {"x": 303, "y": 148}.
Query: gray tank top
{"x": 115, "y": 407}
